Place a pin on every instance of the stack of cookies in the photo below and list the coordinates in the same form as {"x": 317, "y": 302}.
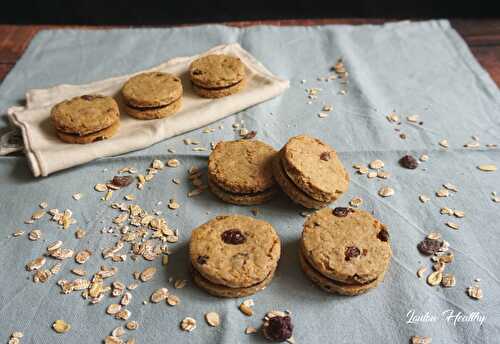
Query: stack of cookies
{"x": 345, "y": 251}
{"x": 216, "y": 76}
{"x": 240, "y": 172}
{"x": 234, "y": 256}
{"x": 310, "y": 172}
{"x": 86, "y": 119}
{"x": 152, "y": 95}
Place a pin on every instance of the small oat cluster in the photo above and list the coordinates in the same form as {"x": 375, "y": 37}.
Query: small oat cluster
{"x": 433, "y": 245}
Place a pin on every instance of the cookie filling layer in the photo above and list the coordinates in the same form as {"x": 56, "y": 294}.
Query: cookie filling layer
{"x": 240, "y": 194}
{"x": 218, "y": 87}
{"x": 144, "y": 108}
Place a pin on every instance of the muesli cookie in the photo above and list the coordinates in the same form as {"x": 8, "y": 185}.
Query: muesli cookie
{"x": 241, "y": 171}
{"x": 152, "y": 90}
{"x": 89, "y": 138}
{"x": 217, "y": 75}
{"x": 223, "y": 291}
{"x": 335, "y": 287}
{"x": 315, "y": 168}
{"x": 346, "y": 245}
{"x": 295, "y": 194}
{"x": 85, "y": 114}
{"x": 235, "y": 251}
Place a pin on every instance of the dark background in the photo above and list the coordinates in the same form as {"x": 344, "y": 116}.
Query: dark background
{"x": 170, "y": 12}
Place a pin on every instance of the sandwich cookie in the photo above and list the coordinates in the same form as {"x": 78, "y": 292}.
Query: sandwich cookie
{"x": 240, "y": 172}
{"x": 152, "y": 95}
{"x": 216, "y": 76}
{"x": 234, "y": 256}
{"x": 86, "y": 119}
{"x": 345, "y": 250}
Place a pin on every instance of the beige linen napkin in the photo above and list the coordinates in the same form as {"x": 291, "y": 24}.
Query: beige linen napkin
{"x": 47, "y": 154}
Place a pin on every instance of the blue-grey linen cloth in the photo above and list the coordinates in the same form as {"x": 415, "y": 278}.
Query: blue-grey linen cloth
{"x": 421, "y": 68}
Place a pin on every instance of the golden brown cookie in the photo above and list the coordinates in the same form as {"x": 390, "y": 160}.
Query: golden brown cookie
{"x": 156, "y": 112}
{"x": 89, "y": 138}
{"x": 241, "y": 199}
{"x": 335, "y": 287}
{"x": 235, "y": 251}
{"x": 243, "y": 166}
{"x": 315, "y": 168}
{"x": 85, "y": 114}
{"x": 219, "y": 92}
{"x": 152, "y": 89}
{"x": 216, "y": 71}
{"x": 295, "y": 194}
{"x": 346, "y": 245}
{"x": 223, "y": 291}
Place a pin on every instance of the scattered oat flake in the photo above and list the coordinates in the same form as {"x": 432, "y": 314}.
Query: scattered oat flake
{"x": 173, "y": 300}
{"x": 43, "y": 205}
{"x": 371, "y": 174}
{"x": 17, "y": 233}
{"x": 148, "y": 274}
{"x": 475, "y": 292}
{"x": 450, "y": 187}
{"x": 159, "y": 295}
{"x": 173, "y": 163}
{"x": 435, "y": 278}
{"x": 376, "y": 164}
{"x": 113, "y": 308}
{"x": 420, "y": 340}
{"x": 421, "y": 271}
{"x": 424, "y": 198}
{"x": 172, "y": 204}
{"x": 444, "y": 143}
{"x": 356, "y": 202}
{"x": 424, "y": 157}
{"x": 188, "y": 324}
{"x": 386, "y": 191}
{"x": 246, "y": 309}
{"x": 80, "y": 233}
{"x": 412, "y": 118}
{"x": 60, "y": 326}
{"x": 448, "y": 281}
{"x": 37, "y": 215}
{"x": 179, "y": 284}
{"x": 101, "y": 187}
{"x": 35, "y": 234}
{"x": 487, "y": 168}
{"x": 250, "y": 330}
{"x": 452, "y": 225}
{"x": 442, "y": 193}
{"x": 77, "y": 196}
{"x": 459, "y": 213}
{"x": 212, "y": 319}
{"x": 132, "y": 325}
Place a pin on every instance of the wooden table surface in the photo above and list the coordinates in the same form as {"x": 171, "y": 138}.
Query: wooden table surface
{"x": 482, "y": 36}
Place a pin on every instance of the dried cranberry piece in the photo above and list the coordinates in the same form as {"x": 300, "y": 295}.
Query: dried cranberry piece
{"x": 430, "y": 246}
{"x": 325, "y": 156}
{"x": 341, "y": 211}
{"x": 249, "y": 135}
{"x": 383, "y": 235}
{"x": 278, "y": 328}
{"x": 351, "y": 252}
{"x": 233, "y": 237}
{"x": 122, "y": 181}
{"x": 408, "y": 162}
{"x": 202, "y": 260}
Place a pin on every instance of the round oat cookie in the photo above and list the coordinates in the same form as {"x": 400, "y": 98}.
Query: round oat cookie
{"x": 335, "y": 287}
{"x": 93, "y": 137}
{"x": 223, "y": 291}
{"x": 346, "y": 245}
{"x": 219, "y": 92}
{"x": 155, "y": 113}
{"x": 241, "y": 199}
{"x": 85, "y": 114}
{"x": 217, "y": 70}
{"x": 152, "y": 89}
{"x": 235, "y": 251}
{"x": 292, "y": 191}
{"x": 243, "y": 166}
{"x": 315, "y": 168}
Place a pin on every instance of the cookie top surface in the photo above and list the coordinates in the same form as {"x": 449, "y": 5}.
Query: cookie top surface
{"x": 346, "y": 245}
{"x": 85, "y": 114}
{"x": 212, "y": 71}
{"x": 243, "y": 166}
{"x": 315, "y": 167}
{"x": 152, "y": 89}
{"x": 235, "y": 251}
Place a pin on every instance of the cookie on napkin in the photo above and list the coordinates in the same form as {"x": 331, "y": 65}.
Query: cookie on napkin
{"x": 86, "y": 119}
{"x": 152, "y": 95}
{"x": 217, "y": 75}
